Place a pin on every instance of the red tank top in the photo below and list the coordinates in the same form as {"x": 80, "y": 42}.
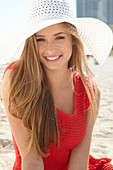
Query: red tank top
{"x": 72, "y": 129}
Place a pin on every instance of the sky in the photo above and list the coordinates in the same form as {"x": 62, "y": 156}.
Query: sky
{"x": 11, "y": 13}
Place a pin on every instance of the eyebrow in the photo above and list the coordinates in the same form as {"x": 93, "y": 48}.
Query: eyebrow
{"x": 54, "y": 34}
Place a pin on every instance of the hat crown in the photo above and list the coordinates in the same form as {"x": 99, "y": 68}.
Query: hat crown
{"x": 43, "y": 10}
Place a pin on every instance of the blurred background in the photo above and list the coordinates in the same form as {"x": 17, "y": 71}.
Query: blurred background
{"x": 100, "y": 9}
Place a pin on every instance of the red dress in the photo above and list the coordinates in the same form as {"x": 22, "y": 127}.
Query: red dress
{"x": 72, "y": 129}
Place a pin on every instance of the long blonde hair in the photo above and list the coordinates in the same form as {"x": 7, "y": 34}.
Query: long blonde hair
{"x": 31, "y": 98}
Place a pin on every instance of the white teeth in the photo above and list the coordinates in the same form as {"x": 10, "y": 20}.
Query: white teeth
{"x": 53, "y": 58}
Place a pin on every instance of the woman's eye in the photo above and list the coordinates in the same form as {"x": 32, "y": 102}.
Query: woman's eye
{"x": 59, "y": 38}
{"x": 40, "y": 39}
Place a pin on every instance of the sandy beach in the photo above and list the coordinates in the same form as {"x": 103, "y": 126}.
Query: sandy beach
{"x": 102, "y": 139}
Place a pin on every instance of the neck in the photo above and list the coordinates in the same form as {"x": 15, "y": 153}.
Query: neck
{"x": 59, "y": 78}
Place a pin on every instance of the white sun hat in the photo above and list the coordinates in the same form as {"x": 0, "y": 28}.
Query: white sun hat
{"x": 96, "y": 36}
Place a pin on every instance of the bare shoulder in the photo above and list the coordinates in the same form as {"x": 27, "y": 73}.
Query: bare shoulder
{"x": 5, "y": 85}
{"x": 6, "y": 77}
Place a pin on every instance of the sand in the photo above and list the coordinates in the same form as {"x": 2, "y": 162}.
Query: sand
{"x": 102, "y": 139}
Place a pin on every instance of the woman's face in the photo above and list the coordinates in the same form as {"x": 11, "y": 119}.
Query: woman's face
{"x": 54, "y": 46}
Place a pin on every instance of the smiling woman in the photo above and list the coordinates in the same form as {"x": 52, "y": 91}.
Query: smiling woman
{"x": 50, "y": 93}
{"x": 54, "y": 46}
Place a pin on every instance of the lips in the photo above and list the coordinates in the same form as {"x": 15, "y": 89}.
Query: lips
{"x": 52, "y": 58}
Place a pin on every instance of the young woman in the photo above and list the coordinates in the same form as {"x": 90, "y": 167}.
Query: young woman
{"x": 50, "y": 95}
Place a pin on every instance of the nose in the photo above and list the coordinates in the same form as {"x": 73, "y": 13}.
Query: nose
{"x": 50, "y": 45}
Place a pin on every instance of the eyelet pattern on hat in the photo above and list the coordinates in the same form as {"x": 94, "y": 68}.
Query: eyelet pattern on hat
{"x": 41, "y": 10}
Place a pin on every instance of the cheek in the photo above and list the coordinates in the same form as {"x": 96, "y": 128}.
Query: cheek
{"x": 39, "y": 50}
{"x": 68, "y": 47}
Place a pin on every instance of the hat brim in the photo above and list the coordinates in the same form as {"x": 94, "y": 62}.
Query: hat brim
{"x": 96, "y": 36}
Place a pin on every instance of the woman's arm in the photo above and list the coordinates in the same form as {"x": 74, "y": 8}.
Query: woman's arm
{"x": 79, "y": 158}
{"x": 20, "y": 132}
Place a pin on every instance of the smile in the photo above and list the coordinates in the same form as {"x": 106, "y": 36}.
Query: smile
{"x": 55, "y": 58}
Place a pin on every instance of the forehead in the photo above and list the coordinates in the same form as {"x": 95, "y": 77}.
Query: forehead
{"x": 53, "y": 29}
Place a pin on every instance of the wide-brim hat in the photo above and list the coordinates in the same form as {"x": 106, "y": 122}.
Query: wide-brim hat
{"x": 96, "y": 36}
